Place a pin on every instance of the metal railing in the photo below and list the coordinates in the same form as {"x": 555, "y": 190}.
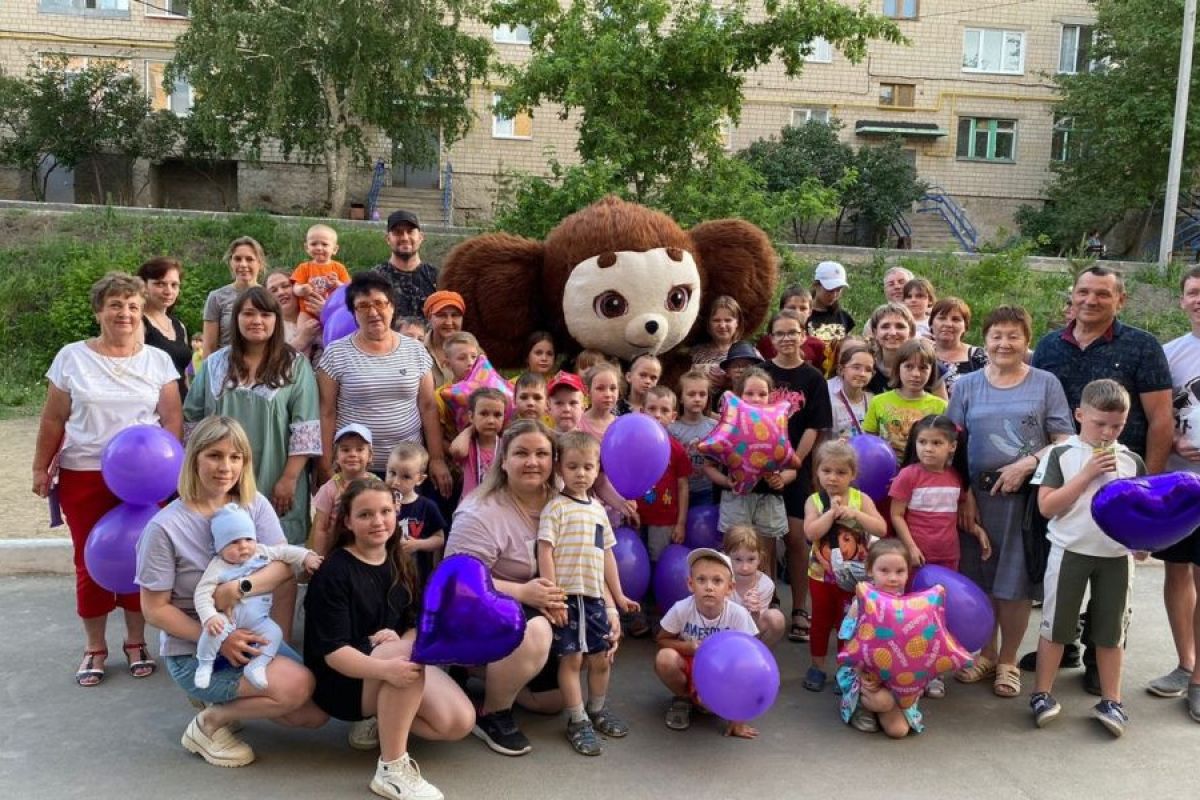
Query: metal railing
{"x": 448, "y": 195}
{"x": 901, "y": 230}
{"x": 938, "y": 201}
{"x": 377, "y": 179}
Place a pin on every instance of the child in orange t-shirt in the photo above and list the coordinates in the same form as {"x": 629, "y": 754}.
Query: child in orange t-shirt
{"x": 322, "y": 274}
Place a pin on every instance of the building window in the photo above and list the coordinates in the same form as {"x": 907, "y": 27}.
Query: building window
{"x": 1062, "y": 140}
{"x": 1075, "y": 48}
{"x": 820, "y": 51}
{"x": 900, "y": 9}
{"x": 986, "y": 50}
{"x": 984, "y": 139}
{"x": 725, "y": 133}
{"x": 176, "y": 9}
{"x": 178, "y": 101}
{"x": 803, "y": 116}
{"x": 518, "y": 127}
{"x": 511, "y": 34}
{"x": 116, "y": 8}
{"x": 897, "y": 95}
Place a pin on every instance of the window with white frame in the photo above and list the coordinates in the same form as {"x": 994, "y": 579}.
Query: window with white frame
{"x": 178, "y": 101}
{"x": 174, "y": 9}
{"x": 511, "y": 34}
{"x": 803, "y": 116}
{"x": 518, "y": 127}
{"x": 1074, "y": 49}
{"x": 820, "y": 51}
{"x": 984, "y": 139}
{"x": 900, "y": 9}
{"x": 1061, "y": 140}
{"x": 98, "y": 7}
{"x": 990, "y": 50}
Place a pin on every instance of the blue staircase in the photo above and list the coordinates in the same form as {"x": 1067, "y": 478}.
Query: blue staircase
{"x": 377, "y": 180}
{"x": 1187, "y": 225}
{"x": 938, "y": 201}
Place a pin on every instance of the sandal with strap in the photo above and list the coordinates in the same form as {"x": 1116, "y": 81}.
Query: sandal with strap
{"x": 1008, "y": 681}
{"x": 143, "y": 666}
{"x": 88, "y": 674}
{"x": 801, "y": 623}
{"x": 981, "y": 669}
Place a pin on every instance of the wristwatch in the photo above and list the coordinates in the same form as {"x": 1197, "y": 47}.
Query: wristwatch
{"x": 245, "y": 587}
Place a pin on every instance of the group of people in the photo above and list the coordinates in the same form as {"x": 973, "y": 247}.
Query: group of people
{"x": 277, "y": 427}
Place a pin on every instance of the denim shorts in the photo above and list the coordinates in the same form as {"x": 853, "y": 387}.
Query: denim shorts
{"x": 225, "y": 678}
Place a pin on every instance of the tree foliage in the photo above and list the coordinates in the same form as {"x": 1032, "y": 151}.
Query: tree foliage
{"x": 59, "y": 117}
{"x": 315, "y": 76}
{"x": 1121, "y": 115}
{"x": 652, "y": 81}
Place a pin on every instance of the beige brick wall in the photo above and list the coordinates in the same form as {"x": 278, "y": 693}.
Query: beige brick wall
{"x": 943, "y": 94}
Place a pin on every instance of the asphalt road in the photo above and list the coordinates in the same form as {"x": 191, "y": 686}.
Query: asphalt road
{"x": 121, "y": 739}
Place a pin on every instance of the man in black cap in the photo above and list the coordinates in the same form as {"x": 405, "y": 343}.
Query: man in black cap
{"x": 412, "y": 279}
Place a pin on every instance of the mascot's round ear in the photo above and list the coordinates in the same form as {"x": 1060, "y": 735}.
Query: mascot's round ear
{"x": 736, "y": 259}
{"x": 500, "y": 278}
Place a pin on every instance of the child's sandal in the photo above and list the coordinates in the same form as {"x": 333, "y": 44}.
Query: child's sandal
{"x": 1007, "y": 682}
{"x": 982, "y": 669}
{"x": 801, "y": 623}
{"x": 143, "y": 665}
{"x": 88, "y": 673}
{"x": 679, "y": 715}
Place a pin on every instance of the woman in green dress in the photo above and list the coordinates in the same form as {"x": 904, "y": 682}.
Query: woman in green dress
{"x": 271, "y": 390}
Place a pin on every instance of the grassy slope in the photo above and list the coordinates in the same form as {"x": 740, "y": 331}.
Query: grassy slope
{"x": 47, "y": 263}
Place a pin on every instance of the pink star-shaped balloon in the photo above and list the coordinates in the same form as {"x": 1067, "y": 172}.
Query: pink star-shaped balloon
{"x": 483, "y": 375}
{"x": 750, "y": 440}
{"x": 903, "y": 640}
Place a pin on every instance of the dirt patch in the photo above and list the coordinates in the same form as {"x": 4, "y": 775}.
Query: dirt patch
{"x": 21, "y": 229}
{"x": 26, "y": 515}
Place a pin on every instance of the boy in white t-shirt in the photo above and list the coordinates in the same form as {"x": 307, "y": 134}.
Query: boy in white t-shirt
{"x": 709, "y": 610}
{"x": 1082, "y": 557}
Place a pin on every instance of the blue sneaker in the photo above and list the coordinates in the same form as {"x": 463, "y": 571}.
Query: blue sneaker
{"x": 1045, "y": 708}
{"x": 1111, "y": 715}
{"x": 814, "y": 680}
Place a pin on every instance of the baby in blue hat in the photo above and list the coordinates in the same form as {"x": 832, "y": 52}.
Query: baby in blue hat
{"x": 238, "y": 557}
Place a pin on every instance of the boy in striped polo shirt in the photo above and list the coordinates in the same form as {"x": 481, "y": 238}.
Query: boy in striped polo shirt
{"x": 574, "y": 550}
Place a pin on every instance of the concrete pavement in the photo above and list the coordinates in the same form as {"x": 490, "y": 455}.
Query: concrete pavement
{"x": 121, "y": 739}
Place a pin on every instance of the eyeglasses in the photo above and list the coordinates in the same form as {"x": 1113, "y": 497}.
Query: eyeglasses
{"x": 377, "y": 305}
{"x": 786, "y": 334}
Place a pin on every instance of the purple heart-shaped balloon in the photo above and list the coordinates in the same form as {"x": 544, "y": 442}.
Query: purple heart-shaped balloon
{"x": 464, "y": 619}
{"x": 1150, "y": 513}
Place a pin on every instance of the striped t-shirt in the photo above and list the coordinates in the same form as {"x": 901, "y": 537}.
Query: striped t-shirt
{"x": 580, "y": 533}
{"x": 379, "y": 391}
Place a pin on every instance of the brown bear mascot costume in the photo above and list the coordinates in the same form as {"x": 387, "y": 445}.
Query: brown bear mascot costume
{"x": 615, "y": 277}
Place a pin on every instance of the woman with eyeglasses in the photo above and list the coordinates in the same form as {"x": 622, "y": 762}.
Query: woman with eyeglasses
{"x": 379, "y": 378}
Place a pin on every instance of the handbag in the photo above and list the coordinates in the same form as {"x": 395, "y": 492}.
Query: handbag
{"x": 1033, "y": 535}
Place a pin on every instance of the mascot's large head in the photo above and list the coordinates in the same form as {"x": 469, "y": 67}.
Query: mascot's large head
{"x": 615, "y": 277}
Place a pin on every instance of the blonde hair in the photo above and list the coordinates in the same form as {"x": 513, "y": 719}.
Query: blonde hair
{"x": 663, "y": 392}
{"x": 252, "y": 243}
{"x": 731, "y": 305}
{"x": 410, "y": 451}
{"x": 694, "y": 375}
{"x": 1105, "y": 395}
{"x": 496, "y": 478}
{"x": 739, "y": 537}
{"x": 739, "y": 385}
{"x": 837, "y": 451}
{"x": 588, "y": 359}
{"x": 599, "y": 369}
{"x": 320, "y": 228}
{"x": 578, "y": 441}
{"x": 208, "y": 433}
{"x": 461, "y": 337}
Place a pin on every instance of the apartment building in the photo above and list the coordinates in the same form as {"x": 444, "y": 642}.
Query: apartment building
{"x": 972, "y": 95}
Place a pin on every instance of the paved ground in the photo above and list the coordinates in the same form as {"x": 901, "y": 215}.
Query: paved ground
{"x": 121, "y": 740}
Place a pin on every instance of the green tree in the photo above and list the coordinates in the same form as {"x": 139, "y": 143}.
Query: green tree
{"x": 1120, "y": 114}
{"x": 652, "y": 81}
{"x": 886, "y": 187}
{"x": 60, "y": 117}
{"x": 319, "y": 77}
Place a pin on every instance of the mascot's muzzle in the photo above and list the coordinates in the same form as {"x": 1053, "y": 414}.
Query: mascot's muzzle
{"x": 646, "y": 332}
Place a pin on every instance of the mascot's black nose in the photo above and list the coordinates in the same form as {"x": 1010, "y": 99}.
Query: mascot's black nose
{"x": 651, "y": 327}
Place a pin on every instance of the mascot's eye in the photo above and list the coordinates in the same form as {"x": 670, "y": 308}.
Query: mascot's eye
{"x": 678, "y": 297}
{"x": 611, "y": 305}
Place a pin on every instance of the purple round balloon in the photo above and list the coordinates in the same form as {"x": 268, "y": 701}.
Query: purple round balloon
{"x": 702, "y": 530}
{"x": 735, "y": 675}
{"x": 969, "y": 614}
{"x": 634, "y": 453}
{"x": 633, "y": 563}
{"x": 876, "y": 465}
{"x": 336, "y": 300}
{"x": 1150, "y": 513}
{"x": 464, "y": 620}
{"x": 671, "y": 576}
{"x": 141, "y": 464}
{"x": 110, "y": 552}
{"x": 341, "y": 323}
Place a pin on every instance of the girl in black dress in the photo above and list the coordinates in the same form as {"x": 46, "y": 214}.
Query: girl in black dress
{"x": 361, "y": 614}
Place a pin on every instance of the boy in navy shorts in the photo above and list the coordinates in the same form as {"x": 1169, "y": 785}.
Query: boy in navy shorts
{"x": 1082, "y": 557}
{"x": 574, "y": 551}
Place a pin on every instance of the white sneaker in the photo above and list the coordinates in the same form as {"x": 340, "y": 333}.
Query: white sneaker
{"x": 222, "y": 749}
{"x": 401, "y": 780}
{"x": 364, "y": 734}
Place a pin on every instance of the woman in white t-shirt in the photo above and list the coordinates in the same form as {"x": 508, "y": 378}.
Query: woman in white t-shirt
{"x": 97, "y": 388}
